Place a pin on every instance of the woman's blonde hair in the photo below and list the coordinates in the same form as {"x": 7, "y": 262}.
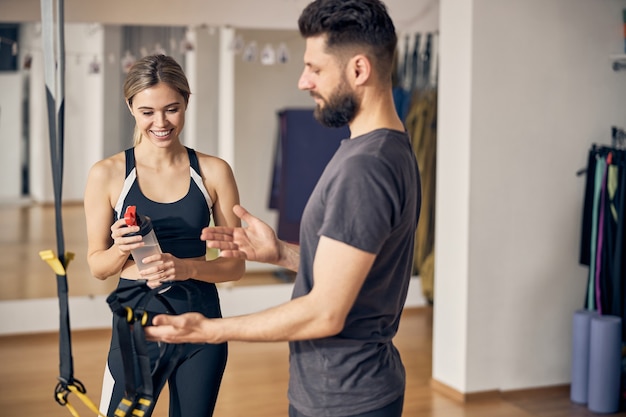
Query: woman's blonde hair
{"x": 150, "y": 71}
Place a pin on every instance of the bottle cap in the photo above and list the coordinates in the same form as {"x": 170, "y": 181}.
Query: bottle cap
{"x": 131, "y": 216}
{"x": 133, "y": 219}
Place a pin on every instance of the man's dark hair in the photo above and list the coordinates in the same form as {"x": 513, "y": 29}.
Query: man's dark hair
{"x": 353, "y": 23}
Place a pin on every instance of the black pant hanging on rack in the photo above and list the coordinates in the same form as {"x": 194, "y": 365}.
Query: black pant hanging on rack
{"x": 303, "y": 149}
{"x": 603, "y": 233}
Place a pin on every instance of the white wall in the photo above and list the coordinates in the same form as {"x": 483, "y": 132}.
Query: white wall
{"x": 261, "y": 91}
{"x": 84, "y": 110}
{"x": 84, "y": 105}
{"x": 11, "y": 113}
{"x": 202, "y": 69}
{"x": 113, "y": 100}
{"x": 93, "y": 312}
{"x": 541, "y": 90}
{"x": 452, "y": 195}
{"x": 39, "y": 148}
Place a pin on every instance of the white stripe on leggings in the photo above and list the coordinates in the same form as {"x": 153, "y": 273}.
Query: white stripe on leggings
{"x": 107, "y": 390}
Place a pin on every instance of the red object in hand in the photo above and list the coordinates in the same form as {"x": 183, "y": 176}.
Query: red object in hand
{"x": 131, "y": 216}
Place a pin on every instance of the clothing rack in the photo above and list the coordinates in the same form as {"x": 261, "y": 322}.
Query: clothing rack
{"x": 415, "y": 69}
{"x": 415, "y": 98}
{"x": 618, "y": 137}
{"x": 603, "y": 232}
{"x": 618, "y": 142}
{"x": 417, "y": 61}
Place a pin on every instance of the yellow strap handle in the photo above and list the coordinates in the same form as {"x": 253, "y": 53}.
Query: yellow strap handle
{"x": 83, "y": 397}
{"x": 55, "y": 263}
{"x": 72, "y": 409}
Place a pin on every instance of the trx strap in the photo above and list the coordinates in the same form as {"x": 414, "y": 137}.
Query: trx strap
{"x": 143, "y": 383}
{"x": 54, "y": 74}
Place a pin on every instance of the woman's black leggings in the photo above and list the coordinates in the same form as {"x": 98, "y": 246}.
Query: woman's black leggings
{"x": 195, "y": 381}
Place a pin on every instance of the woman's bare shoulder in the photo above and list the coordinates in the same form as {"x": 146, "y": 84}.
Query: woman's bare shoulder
{"x": 212, "y": 165}
{"x": 109, "y": 168}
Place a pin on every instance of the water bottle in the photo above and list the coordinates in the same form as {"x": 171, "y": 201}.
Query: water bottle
{"x": 151, "y": 244}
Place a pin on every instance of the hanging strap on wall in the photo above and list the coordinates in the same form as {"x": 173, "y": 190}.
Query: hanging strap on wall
{"x": 54, "y": 75}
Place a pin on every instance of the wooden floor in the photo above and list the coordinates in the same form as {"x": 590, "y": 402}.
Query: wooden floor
{"x": 255, "y": 380}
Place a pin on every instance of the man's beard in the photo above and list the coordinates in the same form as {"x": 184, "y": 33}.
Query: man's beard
{"x": 339, "y": 110}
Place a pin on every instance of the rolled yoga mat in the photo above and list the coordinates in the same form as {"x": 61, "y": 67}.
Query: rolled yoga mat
{"x": 581, "y": 329}
{"x": 604, "y": 364}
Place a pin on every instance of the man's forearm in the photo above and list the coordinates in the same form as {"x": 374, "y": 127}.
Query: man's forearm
{"x": 289, "y": 256}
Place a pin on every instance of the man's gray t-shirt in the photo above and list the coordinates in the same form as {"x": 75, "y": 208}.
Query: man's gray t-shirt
{"x": 368, "y": 197}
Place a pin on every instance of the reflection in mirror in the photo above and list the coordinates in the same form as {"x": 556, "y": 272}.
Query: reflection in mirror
{"x": 98, "y": 124}
{"x": 137, "y": 42}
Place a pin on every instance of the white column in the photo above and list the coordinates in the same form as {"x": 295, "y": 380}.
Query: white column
{"x": 11, "y": 99}
{"x": 190, "y": 134}
{"x": 40, "y": 177}
{"x": 450, "y": 338}
{"x": 226, "y": 97}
